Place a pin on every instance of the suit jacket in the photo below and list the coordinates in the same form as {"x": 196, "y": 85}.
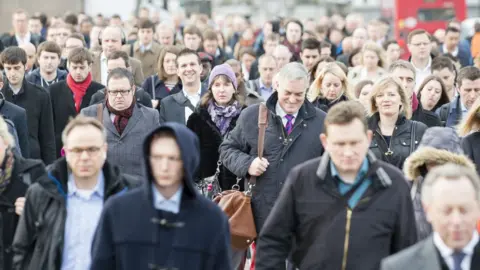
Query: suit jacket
{"x": 63, "y": 107}
{"x": 422, "y": 256}
{"x": 148, "y": 58}
{"x": 172, "y": 108}
{"x": 126, "y": 150}
{"x": 11, "y": 40}
{"x": 135, "y": 65}
{"x": 18, "y": 116}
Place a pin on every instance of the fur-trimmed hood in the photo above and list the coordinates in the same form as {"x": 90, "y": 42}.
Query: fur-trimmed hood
{"x": 436, "y": 156}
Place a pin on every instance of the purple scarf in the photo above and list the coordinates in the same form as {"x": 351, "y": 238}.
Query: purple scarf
{"x": 222, "y": 115}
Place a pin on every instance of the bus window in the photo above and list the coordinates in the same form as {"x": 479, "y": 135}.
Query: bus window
{"x": 436, "y": 14}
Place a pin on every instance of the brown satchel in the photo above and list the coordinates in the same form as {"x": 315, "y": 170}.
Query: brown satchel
{"x": 100, "y": 113}
{"x": 237, "y": 204}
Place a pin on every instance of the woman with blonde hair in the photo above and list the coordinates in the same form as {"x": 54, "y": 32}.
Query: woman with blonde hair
{"x": 373, "y": 64}
{"x": 395, "y": 136}
{"x": 329, "y": 88}
{"x": 469, "y": 129}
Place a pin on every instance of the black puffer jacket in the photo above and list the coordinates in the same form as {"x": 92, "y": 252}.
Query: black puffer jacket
{"x": 38, "y": 242}
{"x": 210, "y": 139}
{"x": 399, "y": 148}
{"x": 325, "y": 105}
{"x": 25, "y": 172}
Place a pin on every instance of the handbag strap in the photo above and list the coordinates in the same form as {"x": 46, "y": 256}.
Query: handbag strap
{"x": 413, "y": 134}
{"x": 100, "y": 112}
{"x": 262, "y": 126}
{"x": 153, "y": 86}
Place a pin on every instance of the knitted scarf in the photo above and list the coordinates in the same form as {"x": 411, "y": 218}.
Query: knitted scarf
{"x": 79, "y": 89}
{"x": 121, "y": 117}
{"x": 6, "y": 169}
{"x": 222, "y": 115}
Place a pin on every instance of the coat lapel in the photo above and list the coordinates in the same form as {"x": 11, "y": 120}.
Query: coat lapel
{"x": 179, "y": 110}
{"x": 88, "y": 96}
{"x": 133, "y": 121}
{"x": 107, "y": 122}
{"x": 429, "y": 256}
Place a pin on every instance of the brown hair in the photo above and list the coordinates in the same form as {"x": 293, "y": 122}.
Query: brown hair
{"x": 246, "y": 50}
{"x": 192, "y": 30}
{"x": 444, "y": 99}
{"x": 359, "y": 86}
{"x": 209, "y": 34}
{"x": 416, "y": 33}
{"x": 468, "y": 73}
{"x": 162, "y": 75}
{"x": 381, "y": 85}
{"x": 344, "y": 113}
{"x": 80, "y": 55}
{"x": 81, "y": 121}
{"x": 49, "y": 46}
{"x": 79, "y": 37}
{"x": 120, "y": 54}
{"x": 272, "y": 37}
{"x": 146, "y": 24}
{"x": 209, "y": 95}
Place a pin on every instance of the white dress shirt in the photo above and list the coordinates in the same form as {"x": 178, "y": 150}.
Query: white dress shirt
{"x": 194, "y": 99}
{"x": 454, "y": 53}
{"x": 280, "y": 112}
{"x": 169, "y": 205}
{"x": 421, "y": 74}
{"x": 23, "y": 40}
{"x": 447, "y": 252}
{"x": 103, "y": 68}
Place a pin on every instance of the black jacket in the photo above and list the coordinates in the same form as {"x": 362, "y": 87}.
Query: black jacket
{"x": 35, "y": 77}
{"x": 451, "y": 113}
{"x": 157, "y": 90}
{"x": 399, "y": 143}
{"x": 470, "y": 145}
{"x": 141, "y": 96}
{"x": 38, "y": 241}
{"x": 325, "y": 105}
{"x": 430, "y": 119}
{"x": 11, "y": 40}
{"x": 63, "y": 106}
{"x": 210, "y": 138}
{"x": 18, "y": 116}
{"x": 36, "y": 101}
{"x": 381, "y": 224}
{"x": 283, "y": 152}
{"x": 25, "y": 172}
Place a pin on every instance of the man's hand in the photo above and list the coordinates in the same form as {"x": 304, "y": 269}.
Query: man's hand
{"x": 19, "y": 204}
{"x": 258, "y": 166}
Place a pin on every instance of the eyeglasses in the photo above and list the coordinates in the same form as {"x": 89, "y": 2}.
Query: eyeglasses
{"x": 79, "y": 151}
{"x": 114, "y": 93}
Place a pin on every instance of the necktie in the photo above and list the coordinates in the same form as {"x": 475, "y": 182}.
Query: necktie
{"x": 458, "y": 257}
{"x": 289, "y": 125}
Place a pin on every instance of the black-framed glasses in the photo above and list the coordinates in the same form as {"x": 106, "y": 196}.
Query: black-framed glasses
{"x": 115, "y": 93}
{"x": 79, "y": 151}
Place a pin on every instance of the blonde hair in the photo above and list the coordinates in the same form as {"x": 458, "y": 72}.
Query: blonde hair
{"x": 383, "y": 84}
{"x": 378, "y": 50}
{"x": 315, "y": 90}
{"x": 471, "y": 122}
{"x": 5, "y": 134}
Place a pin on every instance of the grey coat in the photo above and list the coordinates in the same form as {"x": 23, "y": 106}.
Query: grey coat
{"x": 172, "y": 108}
{"x": 421, "y": 256}
{"x": 239, "y": 149}
{"x": 126, "y": 150}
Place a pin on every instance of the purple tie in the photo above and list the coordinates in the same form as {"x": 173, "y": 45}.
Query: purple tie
{"x": 289, "y": 125}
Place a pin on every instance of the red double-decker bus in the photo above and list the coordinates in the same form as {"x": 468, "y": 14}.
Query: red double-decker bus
{"x": 407, "y": 15}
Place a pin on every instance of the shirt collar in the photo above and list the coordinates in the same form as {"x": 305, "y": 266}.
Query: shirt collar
{"x": 280, "y": 112}
{"x": 147, "y": 47}
{"x": 426, "y": 68}
{"x": 262, "y": 86}
{"x": 454, "y": 53}
{"x": 448, "y": 252}
{"x": 199, "y": 93}
{"x": 363, "y": 170}
{"x": 158, "y": 198}
{"x": 103, "y": 58}
{"x": 24, "y": 39}
{"x": 99, "y": 188}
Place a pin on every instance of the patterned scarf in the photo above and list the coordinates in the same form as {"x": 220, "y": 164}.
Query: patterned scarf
{"x": 121, "y": 117}
{"x": 222, "y": 115}
{"x": 6, "y": 169}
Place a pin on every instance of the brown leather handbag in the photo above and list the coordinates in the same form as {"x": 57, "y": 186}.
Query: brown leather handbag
{"x": 237, "y": 204}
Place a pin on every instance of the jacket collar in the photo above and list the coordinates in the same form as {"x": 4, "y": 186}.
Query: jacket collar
{"x": 307, "y": 110}
{"x": 375, "y": 118}
{"x": 7, "y": 92}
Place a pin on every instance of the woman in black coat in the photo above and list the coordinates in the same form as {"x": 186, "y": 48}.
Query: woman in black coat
{"x": 216, "y": 115}
{"x": 329, "y": 88}
{"x": 395, "y": 136}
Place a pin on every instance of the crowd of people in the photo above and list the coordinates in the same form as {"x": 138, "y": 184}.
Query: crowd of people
{"x": 110, "y": 129}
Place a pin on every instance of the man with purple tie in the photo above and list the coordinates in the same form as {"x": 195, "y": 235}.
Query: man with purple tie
{"x": 291, "y": 137}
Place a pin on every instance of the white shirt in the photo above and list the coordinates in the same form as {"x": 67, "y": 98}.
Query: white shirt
{"x": 421, "y": 74}
{"x": 24, "y": 40}
{"x": 103, "y": 68}
{"x": 194, "y": 99}
{"x": 246, "y": 73}
{"x": 447, "y": 252}
{"x": 169, "y": 205}
{"x": 454, "y": 53}
{"x": 15, "y": 90}
{"x": 280, "y": 112}
{"x": 144, "y": 48}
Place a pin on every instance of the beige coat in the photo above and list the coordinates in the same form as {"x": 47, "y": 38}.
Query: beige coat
{"x": 134, "y": 64}
{"x": 149, "y": 58}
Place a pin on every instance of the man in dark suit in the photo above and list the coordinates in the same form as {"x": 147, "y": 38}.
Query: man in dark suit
{"x": 453, "y": 47}
{"x": 451, "y": 199}
{"x": 178, "y": 107}
{"x": 21, "y": 34}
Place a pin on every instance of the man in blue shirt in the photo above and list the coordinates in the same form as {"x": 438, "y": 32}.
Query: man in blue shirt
{"x": 61, "y": 212}
{"x": 166, "y": 224}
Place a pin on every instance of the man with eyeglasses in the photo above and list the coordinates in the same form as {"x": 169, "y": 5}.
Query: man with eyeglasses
{"x": 73, "y": 94}
{"x": 420, "y": 47}
{"x": 62, "y": 210}
{"x": 126, "y": 122}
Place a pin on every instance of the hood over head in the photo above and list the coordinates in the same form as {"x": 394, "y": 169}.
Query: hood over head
{"x": 439, "y": 145}
{"x": 189, "y": 148}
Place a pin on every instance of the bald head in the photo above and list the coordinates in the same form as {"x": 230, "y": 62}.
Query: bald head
{"x": 111, "y": 38}
{"x": 31, "y": 51}
{"x": 283, "y": 55}
{"x": 347, "y": 45}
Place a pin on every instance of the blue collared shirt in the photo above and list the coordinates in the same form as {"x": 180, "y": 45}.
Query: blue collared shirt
{"x": 169, "y": 205}
{"x": 344, "y": 187}
{"x": 83, "y": 213}
{"x": 265, "y": 92}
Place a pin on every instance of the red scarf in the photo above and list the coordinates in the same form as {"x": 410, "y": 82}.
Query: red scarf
{"x": 121, "y": 117}
{"x": 79, "y": 89}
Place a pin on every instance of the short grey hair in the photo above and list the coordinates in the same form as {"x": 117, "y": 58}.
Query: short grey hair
{"x": 120, "y": 73}
{"x": 450, "y": 172}
{"x": 291, "y": 72}
{"x": 402, "y": 64}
